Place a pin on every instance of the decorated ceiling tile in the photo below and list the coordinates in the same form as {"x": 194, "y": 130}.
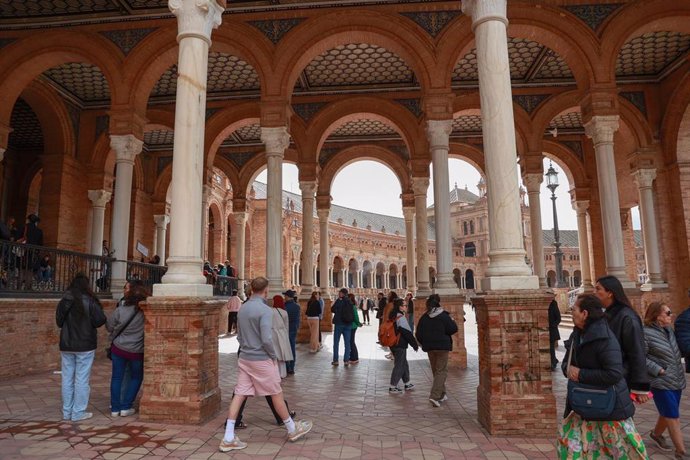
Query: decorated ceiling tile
{"x": 593, "y": 14}
{"x": 275, "y": 29}
{"x": 433, "y": 22}
{"x": 127, "y": 39}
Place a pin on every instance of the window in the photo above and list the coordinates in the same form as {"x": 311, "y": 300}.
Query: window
{"x": 472, "y": 227}
{"x": 464, "y": 228}
{"x": 470, "y": 250}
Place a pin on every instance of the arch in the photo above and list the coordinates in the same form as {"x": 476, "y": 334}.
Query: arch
{"x": 547, "y": 111}
{"x": 469, "y": 154}
{"x": 470, "y": 249}
{"x": 568, "y": 161}
{"x": 226, "y": 121}
{"x": 316, "y": 36}
{"x": 469, "y": 105}
{"x": 469, "y": 279}
{"x": 639, "y": 126}
{"x": 253, "y": 168}
{"x": 551, "y": 278}
{"x": 24, "y": 60}
{"x": 577, "y": 278}
{"x": 362, "y": 152}
{"x": 457, "y": 277}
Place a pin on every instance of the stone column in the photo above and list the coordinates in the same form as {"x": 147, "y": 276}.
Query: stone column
{"x": 324, "y": 268}
{"x": 507, "y": 268}
{"x": 162, "y": 221}
{"x": 126, "y": 147}
{"x": 276, "y": 141}
{"x": 240, "y": 232}
{"x": 644, "y": 178}
{"x": 195, "y": 19}
{"x": 205, "y": 197}
{"x": 420, "y": 185}
{"x": 99, "y": 198}
{"x": 601, "y": 130}
{"x": 438, "y": 132}
{"x": 408, "y": 214}
{"x": 308, "y": 190}
{"x": 581, "y": 207}
{"x": 386, "y": 280}
{"x": 533, "y": 183}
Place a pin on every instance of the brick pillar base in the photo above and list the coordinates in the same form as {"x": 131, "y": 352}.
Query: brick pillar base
{"x": 181, "y": 360}
{"x": 327, "y": 320}
{"x": 455, "y": 306}
{"x": 515, "y": 395}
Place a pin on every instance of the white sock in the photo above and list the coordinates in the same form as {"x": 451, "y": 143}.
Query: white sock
{"x": 289, "y": 424}
{"x": 229, "y": 431}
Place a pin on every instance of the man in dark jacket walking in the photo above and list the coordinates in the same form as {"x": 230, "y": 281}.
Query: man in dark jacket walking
{"x": 294, "y": 316}
{"x": 554, "y": 334}
{"x": 343, "y": 316}
{"x": 682, "y": 330}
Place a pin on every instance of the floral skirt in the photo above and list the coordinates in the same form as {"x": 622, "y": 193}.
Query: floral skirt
{"x": 581, "y": 439}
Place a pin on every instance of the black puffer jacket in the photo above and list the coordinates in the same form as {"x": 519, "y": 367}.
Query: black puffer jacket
{"x": 434, "y": 331}
{"x": 78, "y": 328}
{"x": 627, "y": 327}
{"x": 663, "y": 353}
{"x": 598, "y": 355}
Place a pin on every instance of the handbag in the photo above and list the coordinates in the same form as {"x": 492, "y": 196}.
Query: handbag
{"x": 109, "y": 350}
{"x": 590, "y": 402}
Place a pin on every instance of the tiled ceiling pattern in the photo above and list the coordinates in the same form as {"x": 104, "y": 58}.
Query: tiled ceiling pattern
{"x": 26, "y": 129}
{"x": 529, "y": 61}
{"x": 250, "y": 134}
{"x": 159, "y": 137}
{"x": 570, "y": 120}
{"x": 226, "y": 73}
{"x": 82, "y": 81}
{"x": 467, "y": 124}
{"x": 357, "y": 64}
{"x": 364, "y": 128}
{"x": 37, "y": 8}
{"x": 651, "y": 53}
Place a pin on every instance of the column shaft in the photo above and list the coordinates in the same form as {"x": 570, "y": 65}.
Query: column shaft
{"x": 240, "y": 233}
{"x": 583, "y": 243}
{"x": 420, "y": 186}
{"x": 161, "y": 221}
{"x": 408, "y": 213}
{"x": 533, "y": 183}
{"x": 324, "y": 269}
{"x": 644, "y": 178}
{"x": 99, "y": 199}
{"x": 308, "y": 190}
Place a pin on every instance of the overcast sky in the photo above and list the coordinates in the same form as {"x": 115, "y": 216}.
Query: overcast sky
{"x": 371, "y": 186}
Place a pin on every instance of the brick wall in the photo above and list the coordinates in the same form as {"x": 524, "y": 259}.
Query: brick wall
{"x": 31, "y": 339}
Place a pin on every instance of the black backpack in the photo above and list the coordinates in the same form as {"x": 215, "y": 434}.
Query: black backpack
{"x": 347, "y": 314}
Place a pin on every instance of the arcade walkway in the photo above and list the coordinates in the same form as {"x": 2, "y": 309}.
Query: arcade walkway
{"x": 354, "y": 416}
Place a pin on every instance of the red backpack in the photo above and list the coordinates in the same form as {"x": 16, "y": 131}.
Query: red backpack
{"x": 387, "y": 334}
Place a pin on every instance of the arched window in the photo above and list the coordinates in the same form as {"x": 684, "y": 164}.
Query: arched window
{"x": 472, "y": 227}
{"x": 470, "y": 250}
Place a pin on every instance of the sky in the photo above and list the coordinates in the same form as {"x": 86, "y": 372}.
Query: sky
{"x": 371, "y": 186}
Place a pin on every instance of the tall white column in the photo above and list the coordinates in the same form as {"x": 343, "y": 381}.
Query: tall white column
{"x": 276, "y": 141}
{"x": 205, "y": 198}
{"x": 644, "y": 179}
{"x": 126, "y": 147}
{"x": 533, "y": 183}
{"x": 99, "y": 198}
{"x": 420, "y": 185}
{"x": 408, "y": 214}
{"x": 507, "y": 268}
{"x": 195, "y": 21}
{"x": 240, "y": 233}
{"x": 601, "y": 129}
{"x": 324, "y": 265}
{"x": 438, "y": 134}
{"x": 162, "y": 221}
{"x": 308, "y": 190}
{"x": 581, "y": 207}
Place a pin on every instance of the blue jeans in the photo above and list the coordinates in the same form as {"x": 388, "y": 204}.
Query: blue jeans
{"x": 290, "y": 365}
{"x": 117, "y": 402}
{"x": 76, "y": 372}
{"x": 345, "y": 331}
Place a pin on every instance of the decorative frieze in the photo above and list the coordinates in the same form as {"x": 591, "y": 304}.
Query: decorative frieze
{"x": 275, "y": 29}
{"x": 127, "y": 39}
{"x": 433, "y": 22}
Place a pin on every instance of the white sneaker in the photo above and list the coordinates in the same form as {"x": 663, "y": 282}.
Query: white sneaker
{"x": 235, "y": 444}
{"x": 445, "y": 398}
{"x": 84, "y": 416}
{"x": 128, "y": 412}
{"x": 114, "y": 414}
{"x": 435, "y": 402}
{"x": 301, "y": 428}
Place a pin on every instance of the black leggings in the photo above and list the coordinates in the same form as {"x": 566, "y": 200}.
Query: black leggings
{"x": 365, "y": 316}
{"x": 269, "y": 400}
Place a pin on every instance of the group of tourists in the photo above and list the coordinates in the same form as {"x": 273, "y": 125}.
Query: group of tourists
{"x": 79, "y": 314}
{"x": 615, "y": 361}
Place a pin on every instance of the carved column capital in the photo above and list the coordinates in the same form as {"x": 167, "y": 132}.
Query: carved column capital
{"x": 485, "y": 10}
{"x": 126, "y": 147}
{"x": 438, "y": 133}
{"x": 601, "y": 128}
{"x": 408, "y": 213}
{"x": 420, "y": 185}
{"x": 240, "y": 217}
{"x": 533, "y": 182}
{"x": 276, "y": 140}
{"x": 99, "y": 198}
{"x": 581, "y": 206}
{"x": 196, "y": 18}
{"x": 308, "y": 189}
{"x": 161, "y": 220}
{"x": 323, "y": 214}
{"x": 644, "y": 178}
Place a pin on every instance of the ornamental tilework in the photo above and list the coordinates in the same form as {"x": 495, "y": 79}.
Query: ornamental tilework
{"x": 27, "y": 132}
{"x": 326, "y": 154}
{"x": 529, "y": 102}
{"x": 637, "y": 99}
{"x": 593, "y": 15}
{"x": 433, "y": 22}
{"x": 575, "y": 146}
{"x": 102, "y": 122}
{"x": 127, "y": 39}
{"x": 276, "y": 29}
{"x": 307, "y": 111}
{"x": 412, "y": 105}
{"x": 239, "y": 159}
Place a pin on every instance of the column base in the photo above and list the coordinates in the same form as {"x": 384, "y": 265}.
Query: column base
{"x": 652, "y": 286}
{"x": 182, "y": 290}
{"x": 445, "y": 283}
{"x": 423, "y": 292}
{"x": 275, "y": 287}
{"x": 117, "y": 288}
{"x": 326, "y": 323}
{"x": 303, "y": 332}
{"x": 455, "y": 306}
{"x": 515, "y": 395}
{"x": 446, "y": 291}
{"x": 509, "y": 283}
{"x": 181, "y": 360}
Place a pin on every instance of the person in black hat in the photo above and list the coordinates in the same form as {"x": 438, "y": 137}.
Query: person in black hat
{"x": 294, "y": 314}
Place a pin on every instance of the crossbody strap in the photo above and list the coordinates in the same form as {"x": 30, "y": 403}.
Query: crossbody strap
{"x": 136, "y": 311}
{"x": 570, "y": 355}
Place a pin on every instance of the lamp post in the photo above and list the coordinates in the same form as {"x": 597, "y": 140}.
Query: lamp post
{"x": 552, "y": 184}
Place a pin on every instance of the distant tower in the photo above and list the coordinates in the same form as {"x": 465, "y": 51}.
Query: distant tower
{"x": 482, "y": 187}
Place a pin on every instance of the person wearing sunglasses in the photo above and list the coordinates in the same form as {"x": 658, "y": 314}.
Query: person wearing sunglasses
{"x": 668, "y": 376}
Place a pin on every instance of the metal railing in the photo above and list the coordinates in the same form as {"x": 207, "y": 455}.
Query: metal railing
{"x": 223, "y": 285}
{"x": 29, "y": 270}
{"x": 149, "y": 274}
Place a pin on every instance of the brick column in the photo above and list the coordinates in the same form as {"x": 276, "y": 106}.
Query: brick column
{"x": 515, "y": 394}
{"x": 181, "y": 360}
{"x": 455, "y": 306}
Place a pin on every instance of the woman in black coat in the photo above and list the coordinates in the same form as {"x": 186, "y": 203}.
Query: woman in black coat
{"x": 597, "y": 361}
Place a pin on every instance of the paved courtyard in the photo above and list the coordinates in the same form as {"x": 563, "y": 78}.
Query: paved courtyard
{"x": 353, "y": 414}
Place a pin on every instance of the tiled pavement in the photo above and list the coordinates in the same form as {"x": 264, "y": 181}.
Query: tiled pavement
{"x": 353, "y": 413}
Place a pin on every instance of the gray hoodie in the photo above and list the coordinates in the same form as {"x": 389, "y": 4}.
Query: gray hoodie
{"x": 255, "y": 330}
{"x": 132, "y": 338}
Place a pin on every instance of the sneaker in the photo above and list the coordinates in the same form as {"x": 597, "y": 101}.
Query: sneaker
{"x": 394, "y": 391}
{"x": 389, "y": 356}
{"x": 347, "y": 363}
{"x": 235, "y": 444}
{"x": 660, "y": 441}
{"x": 128, "y": 412}
{"x": 301, "y": 428}
{"x": 409, "y": 386}
{"x": 115, "y": 414}
{"x": 356, "y": 361}
{"x": 444, "y": 399}
{"x": 334, "y": 363}
{"x": 435, "y": 402}
{"x": 84, "y": 416}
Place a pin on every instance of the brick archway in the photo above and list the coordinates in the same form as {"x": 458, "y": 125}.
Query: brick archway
{"x": 223, "y": 123}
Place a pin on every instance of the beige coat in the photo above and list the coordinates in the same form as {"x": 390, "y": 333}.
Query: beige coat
{"x": 281, "y": 339}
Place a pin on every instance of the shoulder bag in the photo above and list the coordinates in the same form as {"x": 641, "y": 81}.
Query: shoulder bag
{"x": 589, "y": 401}
{"x": 109, "y": 350}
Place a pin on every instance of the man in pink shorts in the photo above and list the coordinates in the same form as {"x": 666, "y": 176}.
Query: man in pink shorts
{"x": 258, "y": 367}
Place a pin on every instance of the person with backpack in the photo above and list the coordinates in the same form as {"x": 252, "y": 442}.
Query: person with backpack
{"x": 366, "y": 305}
{"x": 313, "y": 313}
{"x": 342, "y": 321}
{"x": 435, "y": 331}
{"x": 401, "y": 369}
{"x": 354, "y": 353}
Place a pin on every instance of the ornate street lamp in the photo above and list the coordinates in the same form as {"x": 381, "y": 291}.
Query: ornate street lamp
{"x": 552, "y": 184}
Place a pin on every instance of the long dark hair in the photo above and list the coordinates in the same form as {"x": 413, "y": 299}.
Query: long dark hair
{"x": 313, "y": 297}
{"x": 613, "y": 285}
{"x": 397, "y": 303}
{"x": 80, "y": 287}
{"x": 392, "y": 296}
{"x": 592, "y": 305}
{"x": 432, "y": 302}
